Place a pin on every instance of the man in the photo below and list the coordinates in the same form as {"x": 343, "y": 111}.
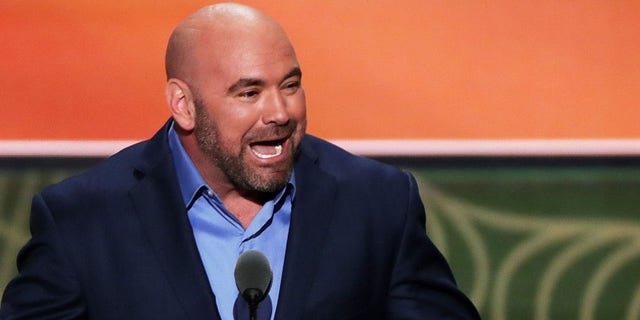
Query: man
{"x": 154, "y": 232}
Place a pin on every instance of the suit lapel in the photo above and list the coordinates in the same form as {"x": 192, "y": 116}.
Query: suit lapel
{"x": 157, "y": 201}
{"x": 311, "y": 215}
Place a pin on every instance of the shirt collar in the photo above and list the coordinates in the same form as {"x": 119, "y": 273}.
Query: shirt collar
{"x": 191, "y": 182}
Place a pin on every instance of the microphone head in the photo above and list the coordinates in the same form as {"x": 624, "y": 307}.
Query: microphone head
{"x": 253, "y": 276}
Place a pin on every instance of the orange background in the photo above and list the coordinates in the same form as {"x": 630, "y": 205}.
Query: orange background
{"x": 501, "y": 69}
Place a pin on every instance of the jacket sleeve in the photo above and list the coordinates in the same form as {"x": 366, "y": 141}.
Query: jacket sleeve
{"x": 45, "y": 287}
{"x": 422, "y": 285}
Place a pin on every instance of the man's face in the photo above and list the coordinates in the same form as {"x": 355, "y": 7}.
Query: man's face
{"x": 251, "y": 113}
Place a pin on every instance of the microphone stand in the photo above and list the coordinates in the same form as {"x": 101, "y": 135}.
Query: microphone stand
{"x": 253, "y": 311}
{"x": 253, "y": 297}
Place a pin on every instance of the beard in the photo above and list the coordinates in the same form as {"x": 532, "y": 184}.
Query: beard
{"x": 234, "y": 165}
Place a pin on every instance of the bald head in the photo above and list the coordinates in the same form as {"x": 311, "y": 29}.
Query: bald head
{"x": 218, "y": 27}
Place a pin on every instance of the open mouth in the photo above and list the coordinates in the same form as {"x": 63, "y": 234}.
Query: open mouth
{"x": 267, "y": 149}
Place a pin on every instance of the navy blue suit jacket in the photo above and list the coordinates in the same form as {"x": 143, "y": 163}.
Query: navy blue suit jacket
{"x": 116, "y": 243}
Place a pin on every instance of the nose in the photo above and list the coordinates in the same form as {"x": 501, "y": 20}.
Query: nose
{"x": 275, "y": 110}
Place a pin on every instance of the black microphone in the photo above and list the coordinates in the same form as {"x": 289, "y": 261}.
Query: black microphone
{"x": 253, "y": 278}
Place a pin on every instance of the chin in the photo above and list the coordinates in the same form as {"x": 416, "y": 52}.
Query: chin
{"x": 273, "y": 183}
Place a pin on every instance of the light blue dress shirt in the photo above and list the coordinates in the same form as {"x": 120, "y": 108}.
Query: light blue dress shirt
{"x": 221, "y": 238}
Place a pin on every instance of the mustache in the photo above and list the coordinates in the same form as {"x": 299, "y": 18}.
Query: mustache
{"x": 271, "y": 132}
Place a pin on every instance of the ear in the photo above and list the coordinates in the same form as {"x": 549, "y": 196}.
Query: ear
{"x": 180, "y": 101}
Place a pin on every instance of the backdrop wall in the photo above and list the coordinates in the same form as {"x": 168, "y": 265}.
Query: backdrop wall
{"x": 384, "y": 69}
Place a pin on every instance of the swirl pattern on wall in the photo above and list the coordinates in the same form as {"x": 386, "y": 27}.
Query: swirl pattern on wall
{"x": 615, "y": 245}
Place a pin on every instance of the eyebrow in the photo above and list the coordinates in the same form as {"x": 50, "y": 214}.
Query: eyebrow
{"x": 248, "y": 82}
{"x": 295, "y": 72}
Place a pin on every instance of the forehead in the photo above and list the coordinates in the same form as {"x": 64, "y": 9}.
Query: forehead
{"x": 237, "y": 54}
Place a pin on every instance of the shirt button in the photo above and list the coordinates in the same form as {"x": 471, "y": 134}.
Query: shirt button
{"x": 210, "y": 193}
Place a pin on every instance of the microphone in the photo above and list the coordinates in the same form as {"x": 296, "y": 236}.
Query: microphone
{"x": 253, "y": 278}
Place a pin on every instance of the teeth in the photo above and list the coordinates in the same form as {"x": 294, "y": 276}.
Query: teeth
{"x": 277, "y": 148}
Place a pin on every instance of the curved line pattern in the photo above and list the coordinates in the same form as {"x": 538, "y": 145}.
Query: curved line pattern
{"x": 559, "y": 266}
{"x": 480, "y": 256}
{"x": 633, "y": 313}
{"x": 437, "y": 233}
{"x": 511, "y": 264}
{"x": 509, "y": 222}
{"x": 599, "y": 280}
{"x": 546, "y": 231}
{"x": 477, "y": 249}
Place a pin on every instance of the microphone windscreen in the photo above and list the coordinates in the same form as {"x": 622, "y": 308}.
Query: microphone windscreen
{"x": 253, "y": 272}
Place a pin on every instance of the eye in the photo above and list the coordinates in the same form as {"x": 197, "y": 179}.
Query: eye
{"x": 248, "y": 94}
{"x": 291, "y": 86}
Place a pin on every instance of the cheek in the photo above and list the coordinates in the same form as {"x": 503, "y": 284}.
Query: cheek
{"x": 235, "y": 121}
{"x": 298, "y": 108}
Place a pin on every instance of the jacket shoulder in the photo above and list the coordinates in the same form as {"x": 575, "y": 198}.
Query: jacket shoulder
{"x": 99, "y": 187}
{"x": 345, "y": 165}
